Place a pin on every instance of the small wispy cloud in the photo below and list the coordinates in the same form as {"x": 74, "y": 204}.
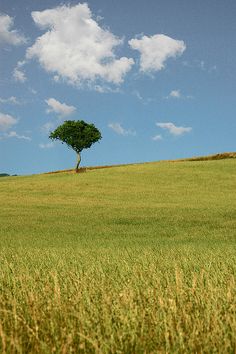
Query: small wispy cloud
{"x": 14, "y": 134}
{"x": 118, "y": 129}
{"x": 9, "y": 35}
{"x": 46, "y": 146}
{"x": 157, "y": 137}
{"x": 138, "y": 95}
{"x": 142, "y": 99}
{"x": 19, "y": 75}
{"x": 33, "y": 91}
{"x": 173, "y": 129}
{"x": 177, "y": 94}
{"x": 10, "y": 100}
{"x": 6, "y": 121}
{"x": 59, "y": 108}
{"x": 105, "y": 89}
{"x": 47, "y": 127}
{"x": 200, "y": 64}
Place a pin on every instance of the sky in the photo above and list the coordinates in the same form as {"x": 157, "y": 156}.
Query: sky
{"x": 156, "y": 77}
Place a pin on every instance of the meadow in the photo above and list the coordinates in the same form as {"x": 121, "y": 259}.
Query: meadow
{"x": 130, "y": 259}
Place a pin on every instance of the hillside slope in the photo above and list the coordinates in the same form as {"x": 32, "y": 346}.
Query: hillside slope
{"x": 220, "y": 156}
{"x": 131, "y": 259}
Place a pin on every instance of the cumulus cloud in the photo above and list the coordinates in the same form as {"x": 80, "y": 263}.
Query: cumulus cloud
{"x": 6, "y": 121}
{"x": 75, "y": 48}
{"x": 8, "y": 35}
{"x": 10, "y": 100}
{"x": 59, "y": 108}
{"x": 155, "y": 50}
{"x": 14, "y": 134}
{"x": 173, "y": 129}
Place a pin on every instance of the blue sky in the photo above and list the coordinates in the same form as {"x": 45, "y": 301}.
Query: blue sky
{"x": 156, "y": 77}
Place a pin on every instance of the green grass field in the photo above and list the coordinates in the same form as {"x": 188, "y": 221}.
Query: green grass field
{"x": 132, "y": 259}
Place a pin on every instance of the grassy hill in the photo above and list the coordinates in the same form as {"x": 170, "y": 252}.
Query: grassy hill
{"x": 131, "y": 259}
{"x": 221, "y": 156}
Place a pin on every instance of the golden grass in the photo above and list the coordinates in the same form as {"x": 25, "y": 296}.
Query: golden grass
{"x": 133, "y": 259}
{"x": 220, "y": 156}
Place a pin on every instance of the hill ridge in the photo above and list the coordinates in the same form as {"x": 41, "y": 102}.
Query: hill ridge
{"x": 218, "y": 156}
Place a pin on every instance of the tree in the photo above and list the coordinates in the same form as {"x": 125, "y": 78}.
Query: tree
{"x": 77, "y": 135}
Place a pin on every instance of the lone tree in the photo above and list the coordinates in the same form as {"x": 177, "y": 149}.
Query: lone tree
{"x": 77, "y": 135}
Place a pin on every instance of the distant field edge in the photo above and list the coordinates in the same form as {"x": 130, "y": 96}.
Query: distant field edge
{"x": 219, "y": 156}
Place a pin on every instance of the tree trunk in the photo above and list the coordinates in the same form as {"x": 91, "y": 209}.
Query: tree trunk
{"x": 78, "y": 162}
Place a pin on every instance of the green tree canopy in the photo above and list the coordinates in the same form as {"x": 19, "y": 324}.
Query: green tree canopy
{"x": 77, "y": 135}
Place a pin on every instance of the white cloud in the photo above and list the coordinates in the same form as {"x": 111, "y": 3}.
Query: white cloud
{"x": 46, "y": 146}
{"x": 11, "y": 100}
{"x": 173, "y": 129}
{"x": 47, "y": 127}
{"x": 60, "y": 108}
{"x": 175, "y": 94}
{"x": 199, "y": 64}
{"x": 13, "y": 134}
{"x": 117, "y": 128}
{"x": 157, "y": 137}
{"x": 142, "y": 99}
{"x": 106, "y": 89}
{"x": 33, "y": 91}
{"x": 21, "y": 63}
{"x": 155, "y": 50}
{"x": 56, "y": 78}
{"x": 19, "y": 75}
{"x": 138, "y": 95}
{"x": 6, "y": 34}
{"x": 75, "y": 48}
{"x": 6, "y": 121}
{"x": 178, "y": 95}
